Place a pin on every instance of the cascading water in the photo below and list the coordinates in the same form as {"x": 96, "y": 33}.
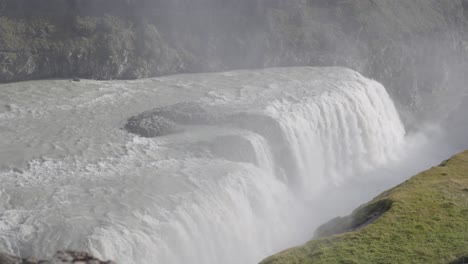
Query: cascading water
{"x": 231, "y": 189}
{"x": 345, "y": 130}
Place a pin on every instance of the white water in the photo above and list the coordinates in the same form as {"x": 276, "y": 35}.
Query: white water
{"x": 233, "y": 192}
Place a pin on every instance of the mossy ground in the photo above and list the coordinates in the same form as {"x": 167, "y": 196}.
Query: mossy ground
{"x": 427, "y": 223}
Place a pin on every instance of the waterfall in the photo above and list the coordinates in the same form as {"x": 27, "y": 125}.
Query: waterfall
{"x": 324, "y": 135}
{"x": 231, "y": 184}
{"x": 344, "y": 131}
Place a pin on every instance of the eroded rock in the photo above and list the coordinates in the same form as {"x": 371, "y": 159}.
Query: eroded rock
{"x": 151, "y": 125}
{"x": 169, "y": 119}
{"x": 62, "y": 257}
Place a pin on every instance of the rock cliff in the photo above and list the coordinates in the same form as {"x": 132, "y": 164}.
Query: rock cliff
{"x": 62, "y": 257}
{"x": 417, "y": 49}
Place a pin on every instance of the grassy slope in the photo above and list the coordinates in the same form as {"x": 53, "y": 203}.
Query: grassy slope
{"x": 427, "y": 223}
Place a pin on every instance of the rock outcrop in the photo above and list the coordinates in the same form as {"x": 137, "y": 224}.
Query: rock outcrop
{"x": 62, "y": 257}
{"x": 168, "y": 120}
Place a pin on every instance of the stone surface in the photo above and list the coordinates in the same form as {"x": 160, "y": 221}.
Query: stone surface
{"x": 151, "y": 125}
{"x": 168, "y": 120}
{"x": 417, "y": 49}
{"x": 62, "y": 257}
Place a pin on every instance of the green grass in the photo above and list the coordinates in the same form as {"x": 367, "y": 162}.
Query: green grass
{"x": 426, "y": 222}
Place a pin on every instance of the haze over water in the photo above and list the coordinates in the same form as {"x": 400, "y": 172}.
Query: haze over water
{"x": 273, "y": 154}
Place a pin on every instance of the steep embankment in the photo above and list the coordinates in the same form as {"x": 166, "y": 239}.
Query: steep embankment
{"x": 423, "y": 220}
{"x": 417, "y": 49}
{"x": 62, "y": 257}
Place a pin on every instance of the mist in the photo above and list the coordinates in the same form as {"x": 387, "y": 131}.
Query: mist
{"x": 251, "y": 122}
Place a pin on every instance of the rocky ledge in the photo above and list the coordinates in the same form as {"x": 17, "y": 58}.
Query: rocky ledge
{"x": 62, "y": 257}
{"x": 415, "y": 48}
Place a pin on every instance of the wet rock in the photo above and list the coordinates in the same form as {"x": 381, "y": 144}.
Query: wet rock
{"x": 187, "y": 113}
{"x": 6, "y": 259}
{"x": 62, "y": 257}
{"x": 169, "y": 119}
{"x": 359, "y": 219}
{"x": 149, "y": 125}
{"x": 417, "y": 49}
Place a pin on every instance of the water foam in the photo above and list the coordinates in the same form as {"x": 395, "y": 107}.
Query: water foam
{"x": 347, "y": 130}
{"x": 218, "y": 193}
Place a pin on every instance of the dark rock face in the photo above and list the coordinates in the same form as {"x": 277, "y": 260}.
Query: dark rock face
{"x": 150, "y": 125}
{"x": 415, "y": 48}
{"x": 360, "y": 218}
{"x": 62, "y": 257}
{"x": 168, "y": 120}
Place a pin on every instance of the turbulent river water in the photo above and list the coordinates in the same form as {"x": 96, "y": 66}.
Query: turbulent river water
{"x": 279, "y": 152}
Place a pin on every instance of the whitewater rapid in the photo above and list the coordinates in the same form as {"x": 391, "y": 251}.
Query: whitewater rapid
{"x": 229, "y": 191}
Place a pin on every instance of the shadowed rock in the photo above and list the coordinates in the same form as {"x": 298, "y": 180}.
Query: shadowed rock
{"x": 62, "y": 257}
{"x": 360, "y": 218}
{"x": 415, "y": 48}
{"x": 168, "y": 120}
{"x": 461, "y": 260}
{"x": 148, "y": 125}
